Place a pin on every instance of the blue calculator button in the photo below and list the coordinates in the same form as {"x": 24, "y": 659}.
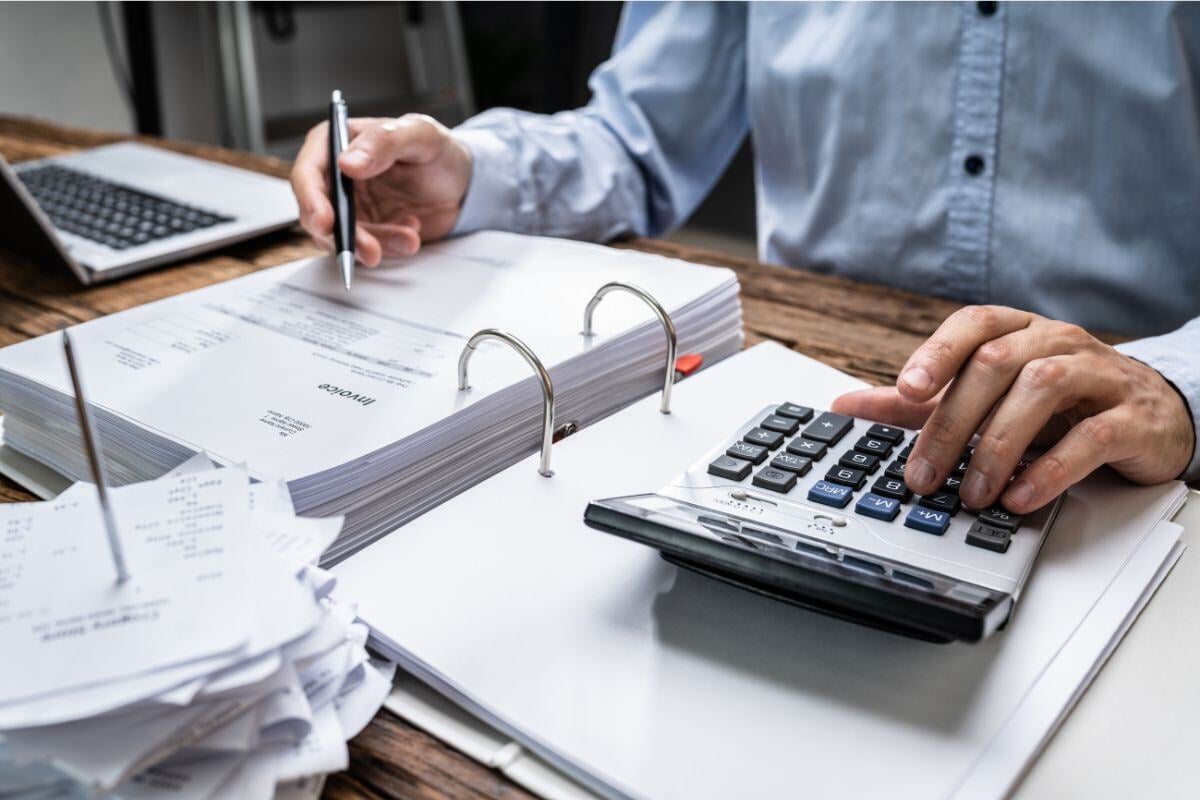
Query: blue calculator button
{"x": 872, "y": 505}
{"x": 927, "y": 520}
{"x": 830, "y": 494}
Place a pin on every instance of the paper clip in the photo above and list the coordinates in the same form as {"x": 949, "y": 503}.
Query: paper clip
{"x": 91, "y": 444}
{"x": 663, "y": 317}
{"x": 543, "y": 376}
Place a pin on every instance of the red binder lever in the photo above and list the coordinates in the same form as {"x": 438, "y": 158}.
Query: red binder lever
{"x": 686, "y": 364}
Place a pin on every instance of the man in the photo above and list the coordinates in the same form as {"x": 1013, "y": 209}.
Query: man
{"x": 1037, "y": 160}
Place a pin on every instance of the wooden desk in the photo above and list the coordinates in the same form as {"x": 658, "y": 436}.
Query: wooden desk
{"x": 863, "y": 329}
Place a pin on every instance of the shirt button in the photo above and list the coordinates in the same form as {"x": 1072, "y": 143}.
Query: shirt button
{"x": 973, "y": 164}
{"x": 986, "y": 7}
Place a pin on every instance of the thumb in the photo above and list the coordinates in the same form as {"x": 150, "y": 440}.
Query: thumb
{"x": 411, "y": 139}
{"x": 885, "y": 404}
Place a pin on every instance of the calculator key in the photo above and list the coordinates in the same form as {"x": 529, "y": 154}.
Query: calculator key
{"x": 942, "y": 501}
{"x": 989, "y": 538}
{"x": 801, "y": 413}
{"x": 754, "y": 453}
{"x": 872, "y": 505}
{"x": 828, "y": 427}
{"x": 927, "y": 520}
{"x": 895, "y": 470}
{"x": 830, "y": 494}
{"x": 807, "y": 448}
{"x": 1000, "y": 517}
{"x": 732, "y": 468}
{"x": 892, "y": 487}
{"x": 960, "y": 469}
{"x": 887, "y": 433}
{"x": 951, "y": 485}
{"x": 903, "y": 454}
{"x": 878, "y": 447}
{"x": 847, "y": 476}
{"x": 768, "y": 439}
{"x": 863, "y": 461}
{"x": 776, "y": 422}
{"x": 792, "y": 463}
{"x": 777, "y": 480}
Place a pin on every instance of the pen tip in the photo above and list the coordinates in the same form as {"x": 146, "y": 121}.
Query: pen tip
{"x": 346, "y": 263}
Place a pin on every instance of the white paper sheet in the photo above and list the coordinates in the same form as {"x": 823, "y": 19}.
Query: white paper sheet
{"x": 647, "y": 681}
{"x": 60, "y": 604}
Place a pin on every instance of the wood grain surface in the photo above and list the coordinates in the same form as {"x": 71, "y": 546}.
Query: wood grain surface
{"x": 864, "y": 329}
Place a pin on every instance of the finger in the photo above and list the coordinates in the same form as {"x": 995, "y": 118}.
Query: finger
{"x": 367, "y": 247}
{"x": 884, "y": 404}
{"x": 396, "y": 240}
{"x": 1044, "y": 388}
{"x": 310, "y": 182}
{"x": 1092, "y": 443}
{"x": 412, "y": 138}
{"x": 938, "y": 360}
{"x": 982, "y": 381}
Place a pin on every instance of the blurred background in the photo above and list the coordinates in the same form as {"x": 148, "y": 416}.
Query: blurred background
{"x": 256, "y": 76}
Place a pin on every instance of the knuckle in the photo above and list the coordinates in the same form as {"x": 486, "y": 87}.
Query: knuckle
{"x": 980, "y": 316}
{"x": 1043, "y": 374}
{"x": 1054, "y": 470}
{"x": 1099, "y": 431}
{"x": 1072, "y": 333}
{"x": 938, "y": 350}
{"x": 995, "y": 354}
{"x": 940, "y": 431}
{"x": 992, "y": 446}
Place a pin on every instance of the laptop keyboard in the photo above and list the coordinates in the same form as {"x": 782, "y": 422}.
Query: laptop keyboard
{"x": 111, "y": 214}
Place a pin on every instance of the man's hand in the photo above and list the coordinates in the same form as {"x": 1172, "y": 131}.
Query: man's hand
{"x": 410, "y": 175}
{"x": 1016, "y": 377}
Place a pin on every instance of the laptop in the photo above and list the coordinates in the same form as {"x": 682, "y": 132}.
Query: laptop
{"x": 110, "y": 211}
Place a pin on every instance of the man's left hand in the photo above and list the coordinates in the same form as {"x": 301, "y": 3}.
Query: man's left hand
{"x": 1019, "y": 379}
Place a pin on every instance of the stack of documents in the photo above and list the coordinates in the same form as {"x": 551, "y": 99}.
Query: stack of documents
{"x": 353, "y": 399}
{"x": 220, "y": 668}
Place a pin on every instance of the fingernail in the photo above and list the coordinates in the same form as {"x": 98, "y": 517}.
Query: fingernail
{"x": 922, "y": 473}
{"x": 356, "y": 158}
{"x": 975, "y": 488}
{"x": 1021, "y": 494}
{"x": 917, "y": 379}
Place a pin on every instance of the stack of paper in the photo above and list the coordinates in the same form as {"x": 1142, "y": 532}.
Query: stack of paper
{"x": 353, "y": 398}
{"x": 221, "y": 668}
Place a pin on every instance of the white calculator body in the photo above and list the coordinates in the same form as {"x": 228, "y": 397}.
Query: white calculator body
{"x": 811, "y": 507}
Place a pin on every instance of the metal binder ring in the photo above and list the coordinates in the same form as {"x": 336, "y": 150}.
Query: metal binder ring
{"x": 663, "y": 317}
{"x": 543, "y": 376}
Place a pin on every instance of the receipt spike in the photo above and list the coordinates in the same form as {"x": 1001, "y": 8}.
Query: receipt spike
{"x": 91, "y": 444}
{"x": 543, "y": 376}
{"x": 663, "y": 317}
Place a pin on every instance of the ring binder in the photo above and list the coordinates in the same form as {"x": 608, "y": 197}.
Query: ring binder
{"x": 543, "y": 376}
{"x": 663, "y": 317}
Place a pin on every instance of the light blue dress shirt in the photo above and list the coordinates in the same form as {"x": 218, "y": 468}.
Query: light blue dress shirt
{"x": 1038, "y": 155}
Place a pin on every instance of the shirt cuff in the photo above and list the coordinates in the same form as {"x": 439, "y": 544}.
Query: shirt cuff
{"x": 492, "y": 195}
{"x": 1177, "y": 364}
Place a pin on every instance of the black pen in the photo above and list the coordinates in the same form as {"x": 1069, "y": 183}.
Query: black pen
{"x": 342, "y": 188}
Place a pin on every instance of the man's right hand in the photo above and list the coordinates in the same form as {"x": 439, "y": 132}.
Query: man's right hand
{"x": 410, "y": 175}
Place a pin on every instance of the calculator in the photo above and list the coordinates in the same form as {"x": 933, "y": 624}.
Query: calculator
{"x": 811, "y": 508}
